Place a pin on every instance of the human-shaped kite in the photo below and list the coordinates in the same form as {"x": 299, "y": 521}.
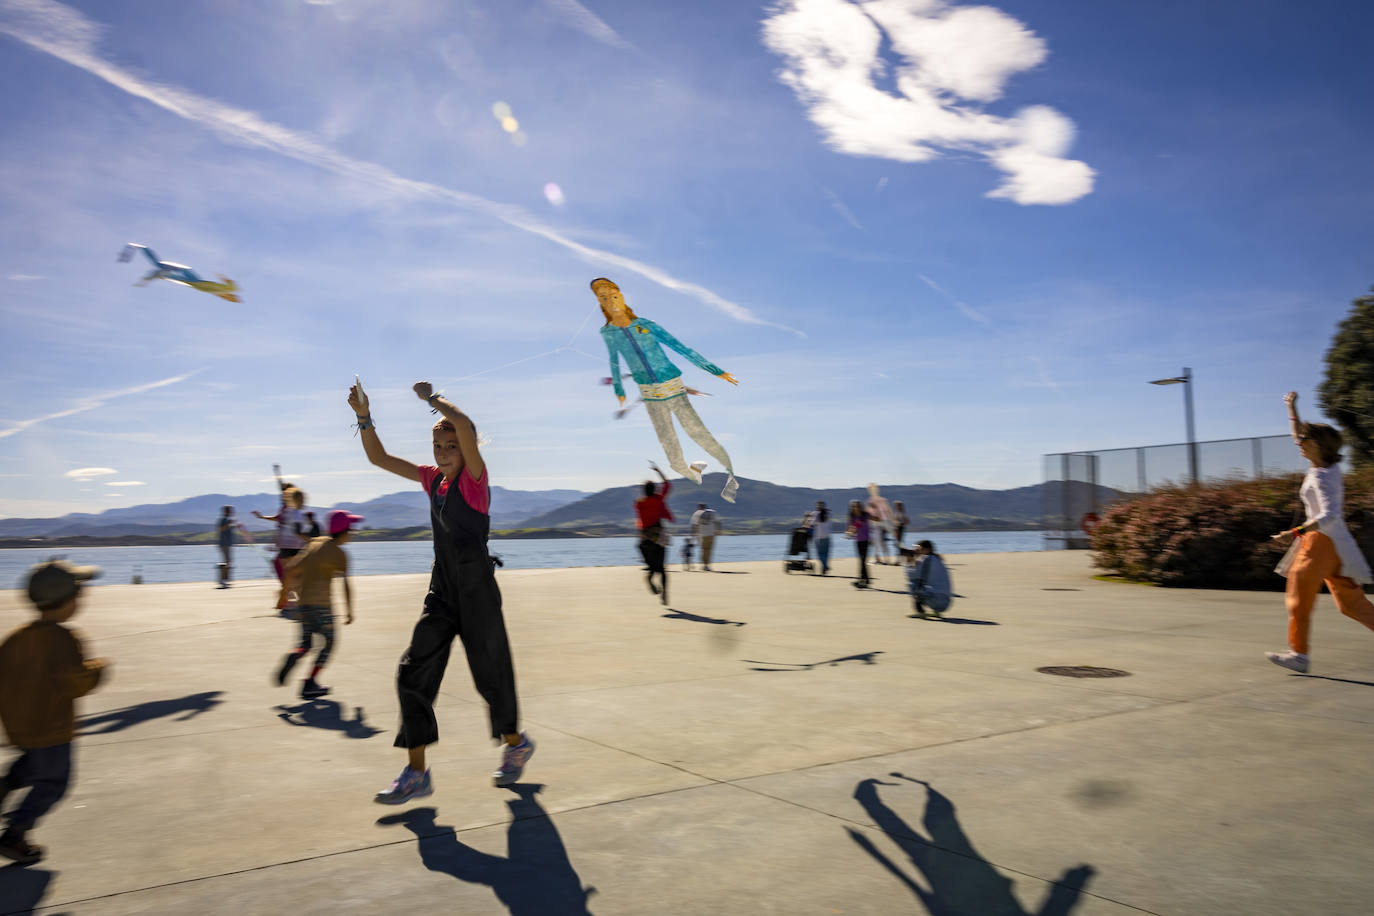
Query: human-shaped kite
{"x": 180, "y": 273}
{"x": 639, "y": 342}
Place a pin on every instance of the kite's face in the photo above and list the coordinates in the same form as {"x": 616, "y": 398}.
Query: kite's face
{"x": 612, "y": 302}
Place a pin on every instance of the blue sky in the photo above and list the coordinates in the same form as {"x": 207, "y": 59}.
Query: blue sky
{"x": 933, "y": 240}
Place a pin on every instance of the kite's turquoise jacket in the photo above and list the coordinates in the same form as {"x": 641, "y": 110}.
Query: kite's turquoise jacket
{"x": 640, "y": 345}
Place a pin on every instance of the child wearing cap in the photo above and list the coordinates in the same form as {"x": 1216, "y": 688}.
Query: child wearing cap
{"x": 42, "y": 670}
{"x": 315, "y": 568}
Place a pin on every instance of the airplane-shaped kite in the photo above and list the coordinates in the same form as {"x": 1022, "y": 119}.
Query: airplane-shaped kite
{"x": 180, "y": 273}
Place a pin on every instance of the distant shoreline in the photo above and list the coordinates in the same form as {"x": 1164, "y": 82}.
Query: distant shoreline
{"x": 421, "y": 533}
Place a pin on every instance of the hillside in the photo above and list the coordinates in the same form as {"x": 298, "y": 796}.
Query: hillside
{"x": 405, "y": 509}
{"x": 764, "y": 506}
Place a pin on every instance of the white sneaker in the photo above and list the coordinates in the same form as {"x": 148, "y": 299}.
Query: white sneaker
{"x": 1293, "y": 661}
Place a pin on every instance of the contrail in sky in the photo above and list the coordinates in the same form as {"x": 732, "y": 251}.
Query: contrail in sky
{"x": 973, "y": 314}
{"x": 66, "y": 34}
{"x": 86, "y": 404}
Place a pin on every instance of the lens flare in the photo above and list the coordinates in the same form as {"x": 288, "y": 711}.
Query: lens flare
{"x": 509, "y": 124}
{"x": 500, "y": 111}
{"x": 554, "y": 194}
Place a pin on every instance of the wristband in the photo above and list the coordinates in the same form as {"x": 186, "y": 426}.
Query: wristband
{"x": 365, "y": 423}
{"x": 431, "y": 398}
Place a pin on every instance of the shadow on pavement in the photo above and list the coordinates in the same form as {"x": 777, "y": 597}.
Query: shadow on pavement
{"x": 327, "y": 714}
{"x": 22, "y": 889}
{"x": 675, "y": 614}
{"x": 964, "y": 620}
{"x": 1338, "y": 680}
{"x": 534, "y": 879}
{"x": 868, "y": 658}
{"x": 115, "y": 720}
{"x": 960, "y": 881}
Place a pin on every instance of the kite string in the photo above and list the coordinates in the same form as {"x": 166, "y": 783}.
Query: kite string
{"x": 525, "y": 359}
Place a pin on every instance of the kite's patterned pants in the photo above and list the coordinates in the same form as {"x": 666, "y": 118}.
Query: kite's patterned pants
{"x": 661, "y": 413}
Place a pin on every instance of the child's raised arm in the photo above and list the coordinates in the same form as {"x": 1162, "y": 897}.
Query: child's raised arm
{"x": 372, "y": 445}
{"x": 1295, "y": 425}
{"x": 463, "y": 428}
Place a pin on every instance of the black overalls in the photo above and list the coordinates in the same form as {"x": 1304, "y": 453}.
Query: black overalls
{"x": 463, "y": 601}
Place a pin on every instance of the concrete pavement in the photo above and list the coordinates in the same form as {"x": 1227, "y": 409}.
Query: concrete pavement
{"x": 767, "y": 743}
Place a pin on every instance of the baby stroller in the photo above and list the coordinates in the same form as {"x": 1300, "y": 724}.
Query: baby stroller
{"x": 798, "y": 542}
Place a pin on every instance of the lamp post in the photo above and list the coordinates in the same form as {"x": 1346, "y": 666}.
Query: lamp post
{"x": 1186, "y": 380}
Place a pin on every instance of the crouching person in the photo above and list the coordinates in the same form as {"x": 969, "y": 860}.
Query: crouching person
{"x": 928, "y": 581}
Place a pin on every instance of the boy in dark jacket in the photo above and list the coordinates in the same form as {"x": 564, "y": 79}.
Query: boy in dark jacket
{"x": 42, "y": 670}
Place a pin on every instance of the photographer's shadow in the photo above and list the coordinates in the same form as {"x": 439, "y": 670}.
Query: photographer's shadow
{"x": 327, "y": 714}
{"x": 960, "y": 880}
{"x": 22, "y": 889}
{"x": 534, "y": 879}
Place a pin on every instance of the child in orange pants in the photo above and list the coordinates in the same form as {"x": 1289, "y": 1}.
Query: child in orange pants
{"x": 1317, "y": 562}
{"x": 1324, "y": 550}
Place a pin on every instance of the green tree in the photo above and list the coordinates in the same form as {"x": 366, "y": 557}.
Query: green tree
{"x": 1347, "y": 395}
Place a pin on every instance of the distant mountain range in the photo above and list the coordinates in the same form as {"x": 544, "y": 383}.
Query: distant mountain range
{"x": 761, "y": 507}
{"x": 405, "y": 509}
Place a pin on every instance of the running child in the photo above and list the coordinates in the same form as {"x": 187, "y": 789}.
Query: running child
{"x": 463, "y": 600}
{"x": 316, "y": 567}
{"x": 290, "y": 539}
{"x": 651, "y": 511}
{"x": 42, "y": 670}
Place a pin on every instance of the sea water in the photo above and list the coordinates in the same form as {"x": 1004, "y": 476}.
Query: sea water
{"x": 200, "y": 562}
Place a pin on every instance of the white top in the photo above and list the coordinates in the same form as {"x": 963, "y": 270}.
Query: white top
{"x": 287, "y": 538}
{"x": 820, "y": 529}
{"x": 1323, "y": 497}
{"x": 705, "y": 522}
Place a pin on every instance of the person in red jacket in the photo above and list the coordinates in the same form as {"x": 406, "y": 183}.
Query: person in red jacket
{"x": 652, "y": 511}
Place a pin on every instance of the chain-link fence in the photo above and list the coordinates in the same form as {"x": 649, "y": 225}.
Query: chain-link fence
{"x": 1081, "y": 484}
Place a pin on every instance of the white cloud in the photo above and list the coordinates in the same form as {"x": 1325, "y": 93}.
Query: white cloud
{"x": 952, "y": 60}
{"x": 125, "y": 483}
{"x": 66, "y": 34}
{"x": 84, "y": 474}
{"x": 23, "y": 278}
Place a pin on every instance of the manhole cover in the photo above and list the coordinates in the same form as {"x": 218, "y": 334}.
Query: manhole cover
{"x": 1083, "y": 671}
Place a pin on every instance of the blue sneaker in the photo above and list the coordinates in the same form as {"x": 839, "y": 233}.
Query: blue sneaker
{"x": 408, "y": 785}
{"x": 513, "y": 760}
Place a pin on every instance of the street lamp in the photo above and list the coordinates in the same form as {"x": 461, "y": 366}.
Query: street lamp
{"x": 1186, "y": 380}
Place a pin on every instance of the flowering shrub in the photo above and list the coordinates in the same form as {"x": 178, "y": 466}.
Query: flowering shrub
{"x": 1217, "y": 535}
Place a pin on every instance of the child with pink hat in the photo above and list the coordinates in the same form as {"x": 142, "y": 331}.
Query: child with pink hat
{"x": 316, "y": 566}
